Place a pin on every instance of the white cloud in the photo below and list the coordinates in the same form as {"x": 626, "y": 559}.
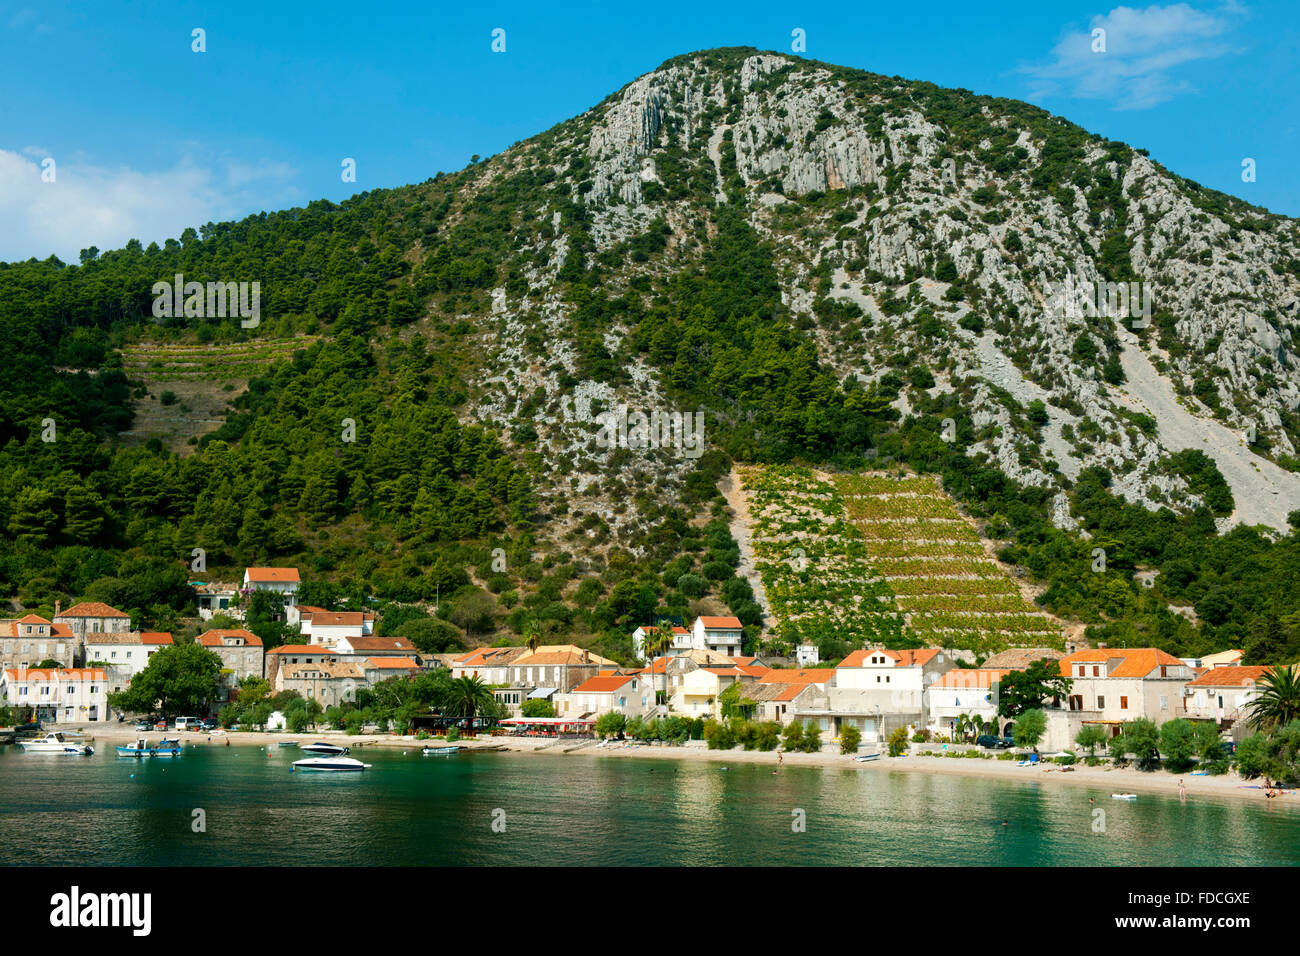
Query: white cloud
{"x": 1143, "y": 49}
{"x": 88, "y": 205}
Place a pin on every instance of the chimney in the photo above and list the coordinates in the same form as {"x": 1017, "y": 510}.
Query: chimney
{"x": 58, "y": 605}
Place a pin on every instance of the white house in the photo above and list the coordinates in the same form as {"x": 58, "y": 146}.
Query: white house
{"x": 214, "y": 599}
{"x": 327, "y": 628}
{"x": 625, "y": 693}
{"x": 62, "y": 695}
{"x": 681, "y": 642}
{"x": 283, "y": 581}
{"x": 31, "y": 639}
{"x": 972, "y": 693}
{"x": 898, "y": 680}
{"x": 1222, "y": 694}
{"x": 721, "y": 634}
{"x": 807, "y": 655}
{"x": 124, "y": 655}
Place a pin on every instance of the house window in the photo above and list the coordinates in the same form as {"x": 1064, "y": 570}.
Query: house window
{"x": 1096, "y": 672}
{"x": 1101, "y": 702}
{"x": 1123, "y": 703}
{"x": 1164, "y": 671}
{"x": 1164, "y": 703}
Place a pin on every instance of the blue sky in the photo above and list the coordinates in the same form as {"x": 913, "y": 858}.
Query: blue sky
{"x": 148, "y": 136}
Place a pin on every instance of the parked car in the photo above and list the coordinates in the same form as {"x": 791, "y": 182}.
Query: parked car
{"x": 160, "y": 725}
{"x": 990, "y": 742}
{"x": 188, "y": 723}
{"x": 143, "y": 726}
{"x": 210, "y": 723}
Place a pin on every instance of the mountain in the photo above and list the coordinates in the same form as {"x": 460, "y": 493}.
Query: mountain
{"x": 832, "y": 266}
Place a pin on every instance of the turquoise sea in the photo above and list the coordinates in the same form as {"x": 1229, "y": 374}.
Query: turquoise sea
{"x": 526, "y": 809}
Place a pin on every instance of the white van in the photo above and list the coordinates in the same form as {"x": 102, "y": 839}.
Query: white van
{"x": 185, "y": 723}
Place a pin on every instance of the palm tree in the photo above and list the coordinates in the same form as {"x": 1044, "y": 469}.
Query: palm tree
{"x": 1277, "y": 700}
{"x": 466, "y": 697}
{"x": 532, "y": 636}
{"x": 656, "y": 643}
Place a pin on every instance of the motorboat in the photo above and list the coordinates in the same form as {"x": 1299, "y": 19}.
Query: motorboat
{"x": 1123, "y": 796}
{"x": 167, "y": 747}
{"x": 439, "y": 751}
{"x": 325, "y": 750}
{"x": 863, "y": 758}
{"x": 330, "y": 763}
{"x": 287, "y": 743}
{"x": 55, "y": 744}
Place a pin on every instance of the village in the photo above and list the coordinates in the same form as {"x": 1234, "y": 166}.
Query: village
{"x": 64, "y": 669}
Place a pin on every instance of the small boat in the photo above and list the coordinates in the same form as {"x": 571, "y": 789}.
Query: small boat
{"x": 56, "y": 744}
{"x": 1123, "y": 796}
{"x": 139, "y": 749}
{"x": 167, "y": 747}
{"x": 439, "y": 751}
{"x": 330, "y": 763}
{"x": 287, "y": 743}
{"x": 863, "y": 758}
{"x": 324, "y": 749}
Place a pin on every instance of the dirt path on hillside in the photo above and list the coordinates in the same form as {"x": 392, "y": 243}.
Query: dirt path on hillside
{"x": 739, "y": 526}
{"x": 1264, "y": 492}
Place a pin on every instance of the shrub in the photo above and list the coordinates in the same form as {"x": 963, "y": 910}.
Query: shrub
{"x": 812, "y": 738}
{"x": 610, "y": 724}
{"x": 898, "y": 742}
{"x": 850, "y": 737}
{"x": 793, "y": 735}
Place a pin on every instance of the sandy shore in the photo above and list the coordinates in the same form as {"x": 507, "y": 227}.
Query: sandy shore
{"x": 1104, "y": 779}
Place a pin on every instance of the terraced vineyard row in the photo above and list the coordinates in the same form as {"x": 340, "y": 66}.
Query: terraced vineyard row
{"x": 879, "y": 559}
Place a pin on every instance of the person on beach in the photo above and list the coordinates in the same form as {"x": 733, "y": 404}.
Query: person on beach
{"x": 1182, "y": 791}
{"x": 780, "y": 758}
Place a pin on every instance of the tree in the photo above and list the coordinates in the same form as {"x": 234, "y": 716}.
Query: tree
{"x": 1277, "y": 699}
{"x": 537, "y": 707}
{"x": 1090, "y": 737}
{"x": 898, "y": 742}
{"x": 1030, "y": 727}
{"x": 610, "y": 724}
{"x": 468, "y": 696}
{"x": 793, "y": 735}
{"x": 812, "y": 738}
{"x": 181, "y": 679}
{"x": 850, "y": 738}
{"x": 1272, "y": 756}
{"x": 657, "y": 642}
{"x": 1140, "y": 738}
{"x": 1030, "y": 688}
{"x": 1178, "y": 744}
{"x": 474, "y": 611}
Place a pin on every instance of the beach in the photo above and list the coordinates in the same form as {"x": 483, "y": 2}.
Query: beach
{"x": 1105, "y": 778}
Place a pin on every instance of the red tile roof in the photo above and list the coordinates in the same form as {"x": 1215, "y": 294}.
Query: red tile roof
{"x": 392, "y": 663}
{"x": 722, "y": 623}
{"x": 380, "y": 644}
{"x": 217, "y": 638}
{"x": 980, "y": 677}
{"x": 302, "y": 649}
{"x": 786, "y": 676}
{"x": 63, "y": 673}
{"x": 273, "y": 575}
{"x": 91, "y": 609}
{"x": 338, "y": 619}
{"x": 32, "y": 619}
{"x": 602, "y": 685}
{"x": 910, "y": 657}
{"x": 1229, "y": 676}
{"x": 1134, "y": 661}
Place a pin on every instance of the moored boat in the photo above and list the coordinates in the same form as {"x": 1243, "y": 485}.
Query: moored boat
{"x": 167, "y": 747}
{"x": 863, "y": 758}
{"x": 56, "y": 743}
{"x": 138, "y": 749}
{"x": 324, "y": 749}
{"x": 330, "y": 763}
{"x": 439, "y": 751}
{"x": 1123, "y": 796}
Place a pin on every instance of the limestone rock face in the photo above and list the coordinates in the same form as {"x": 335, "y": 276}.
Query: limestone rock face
{"x": 968, "y": 235}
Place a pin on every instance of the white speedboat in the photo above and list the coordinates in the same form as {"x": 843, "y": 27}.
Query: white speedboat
{"x": 440, "y": 751}
{"x": 55, "y": 744}
{"x": 325, "y": 750}
{"x": 330, "y": 763}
